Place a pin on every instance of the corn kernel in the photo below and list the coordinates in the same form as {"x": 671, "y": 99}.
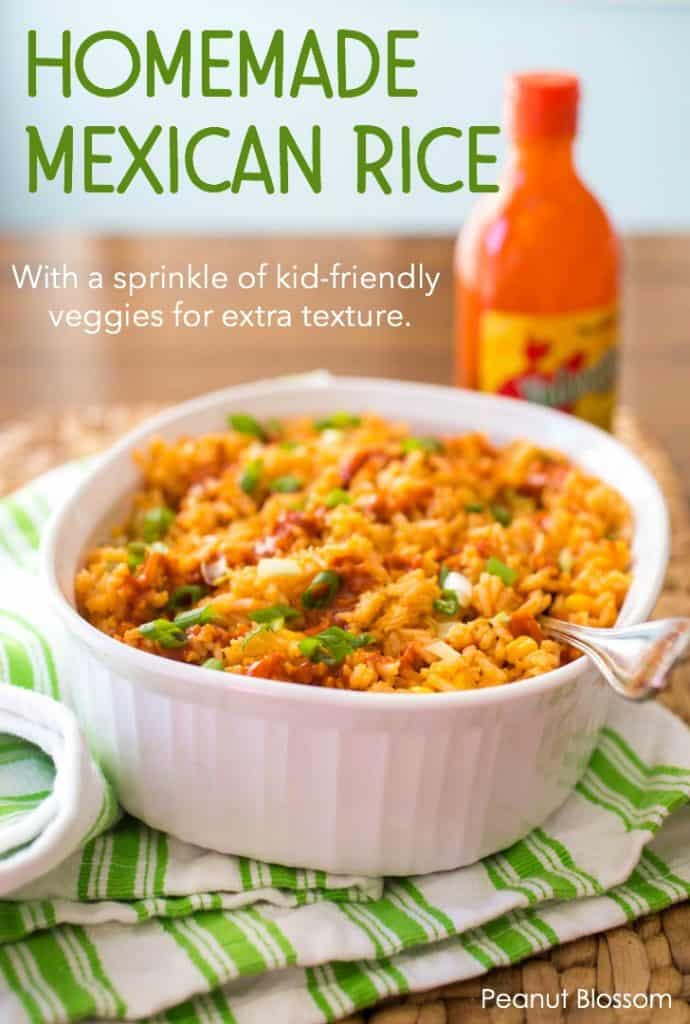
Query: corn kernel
{"x": 519, "y": 648}
{"x": 420, "y": 689}
{"x": 578, "y": 602}
{"x": 362, "y": 677}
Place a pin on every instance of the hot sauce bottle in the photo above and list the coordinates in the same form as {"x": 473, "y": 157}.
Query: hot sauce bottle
{"x": 536, "y": 267}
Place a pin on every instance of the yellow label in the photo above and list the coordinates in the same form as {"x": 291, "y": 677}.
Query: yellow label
{"x": 567, "y": 361}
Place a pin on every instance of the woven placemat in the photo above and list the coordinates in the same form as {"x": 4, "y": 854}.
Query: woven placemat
{"x": 650, "y": 955}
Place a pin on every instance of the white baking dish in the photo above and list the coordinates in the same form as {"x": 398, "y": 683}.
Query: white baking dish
{"x": 342, "y": 781}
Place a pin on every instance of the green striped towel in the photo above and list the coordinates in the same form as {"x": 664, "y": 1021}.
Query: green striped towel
{"x": 115, "y": 921}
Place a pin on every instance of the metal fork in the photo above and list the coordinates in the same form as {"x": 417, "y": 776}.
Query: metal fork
{"x": 634, "y": 660}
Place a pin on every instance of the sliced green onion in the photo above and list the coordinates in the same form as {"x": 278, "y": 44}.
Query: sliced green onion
{"x": 269, "y": 620}
{"x": 501, "y": 514}
{"x": 196, "y": 617}
{"x": 455, "y": 591}
{"x": 156, "y": 523}
{"x": 321, "y": 590}
{"x": 286, "y": 484}
{"x": 333, "y": 645}
{"x": 422, "y": 444}
{"x": 274, "y": 428}
{"x": 498, "y": 568}
{"x": 185, "y": 597}
{"x": 136, "y": 553}
{"x": 164, "y": 632}
{"x": 474, "y": 506}
{"x": 262, "y": 628}
{"x": 243, "y": 423}
{"x": 337, "y": 421}
{"x": 215, "y": 663}
{"x": 447, "y": 603}
{"x": 276, "y": 615}
{"x": 251, "y": 475}
{"x": 337, "y": 497}
{"x": 459, "y": 585}
{"x": 289, "y": 446}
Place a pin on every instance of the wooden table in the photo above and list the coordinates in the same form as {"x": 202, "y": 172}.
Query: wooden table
{"x": 42, "y": 367}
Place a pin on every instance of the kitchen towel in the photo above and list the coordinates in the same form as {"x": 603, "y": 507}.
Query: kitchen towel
{"x": 108, "y": 919}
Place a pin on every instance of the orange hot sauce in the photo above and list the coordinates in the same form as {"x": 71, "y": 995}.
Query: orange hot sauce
{"x": 536, "y": 267}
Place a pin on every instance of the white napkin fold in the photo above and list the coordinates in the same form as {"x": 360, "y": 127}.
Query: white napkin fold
{"x": 41, "y": 827}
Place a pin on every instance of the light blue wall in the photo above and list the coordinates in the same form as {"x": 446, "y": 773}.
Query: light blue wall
{"x": 634, "y": 60}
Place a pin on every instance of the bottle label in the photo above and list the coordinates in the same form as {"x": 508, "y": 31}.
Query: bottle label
{"x": 566, "y": 361}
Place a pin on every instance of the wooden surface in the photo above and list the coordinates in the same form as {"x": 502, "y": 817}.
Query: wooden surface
{"x": 43, "y": 368}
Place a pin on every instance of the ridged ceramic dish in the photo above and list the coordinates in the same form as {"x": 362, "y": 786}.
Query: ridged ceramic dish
{"x": 338, "y": 780}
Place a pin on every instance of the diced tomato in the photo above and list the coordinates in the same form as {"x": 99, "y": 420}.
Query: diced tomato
{"x": 523, "y": 624}
{"x": 542, "y": 475}
{"x": 153, "y": 570}
{"x": 411, "y": 657}
{"x": 291, "y": 525}
{"x": 271, "y": 666}
{"x": 403, "y": 562}
{"x": 355, "y": 462}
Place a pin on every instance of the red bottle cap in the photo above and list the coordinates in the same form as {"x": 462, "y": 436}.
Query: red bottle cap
{"x": 542, "y": 104}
